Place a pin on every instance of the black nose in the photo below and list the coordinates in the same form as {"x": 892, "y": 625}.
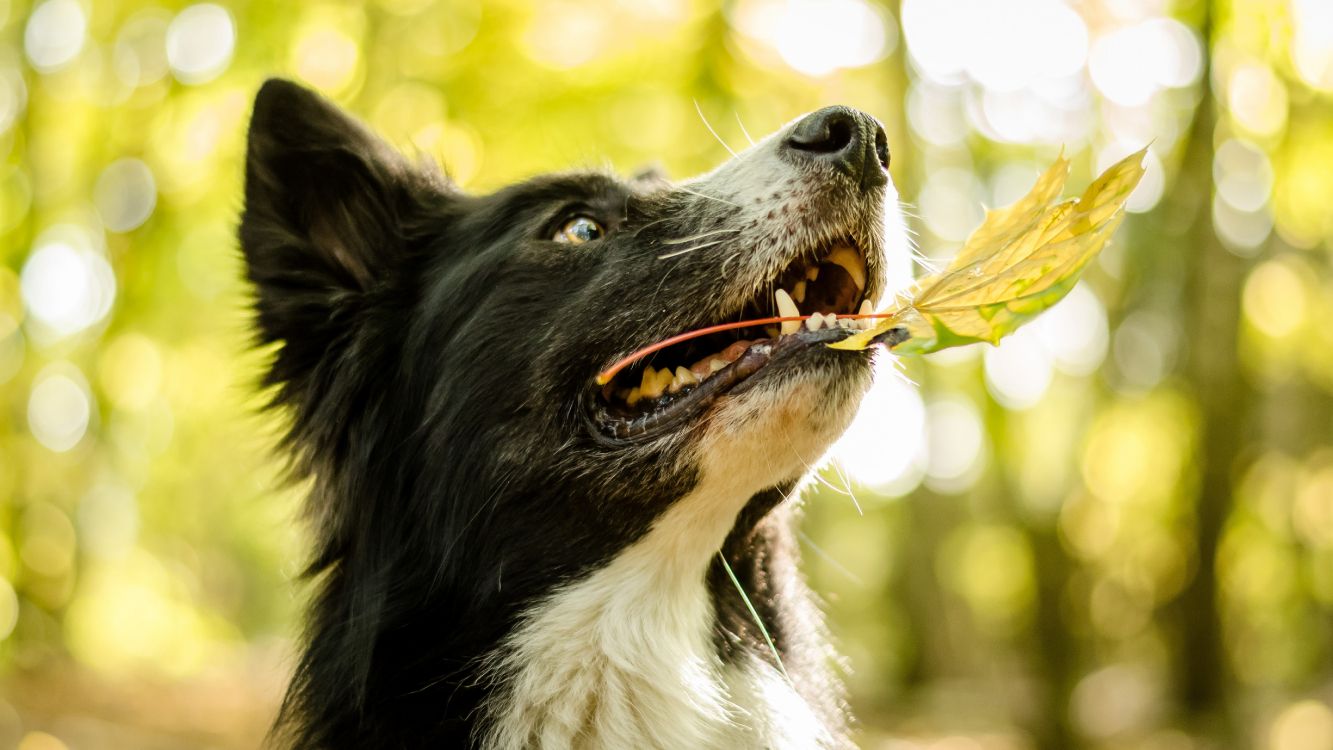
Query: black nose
{"x": 846, "y": 139}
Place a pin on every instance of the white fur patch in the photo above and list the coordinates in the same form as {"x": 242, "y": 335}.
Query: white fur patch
{"x": 624, "y": 658}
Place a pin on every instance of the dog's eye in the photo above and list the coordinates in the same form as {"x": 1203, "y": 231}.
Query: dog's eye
{"x": 578, "y": 230}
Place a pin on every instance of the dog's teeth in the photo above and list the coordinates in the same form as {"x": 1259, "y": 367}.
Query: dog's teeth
{"x": 798, "y": 291}
{"x": 682, "y": 378}
{"x": 714, "y": 365}
{"x": 812, "y": 273}
{"x": 664, "y": 378}
{"x": 850, "y": 261}
{"x": 653, "y": 384}
{"x": 633, "y": 397}
{"x": 847, "y": 324}
{"x": 814, "y": 322}
{"x": 866, "y": 308}
{"x": 787, "y": 309}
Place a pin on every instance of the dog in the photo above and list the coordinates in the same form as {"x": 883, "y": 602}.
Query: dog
{"x": 506, "y": 553}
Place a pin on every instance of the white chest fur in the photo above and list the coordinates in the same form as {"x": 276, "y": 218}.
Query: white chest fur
{"x": 625, "y": 659}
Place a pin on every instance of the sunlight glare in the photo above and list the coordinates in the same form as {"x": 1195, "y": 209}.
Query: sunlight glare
{"x": 1131, "y": 64}
{"x": 956, "y": 439}
{"x": 885, "y": 443}
{"x": 818, "y": 38}
{"x": 1019, "y": 370}
{"x": 1312, "y": 45}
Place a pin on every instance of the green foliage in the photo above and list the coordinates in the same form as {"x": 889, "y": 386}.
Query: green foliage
{"x": 1113, "y": 530}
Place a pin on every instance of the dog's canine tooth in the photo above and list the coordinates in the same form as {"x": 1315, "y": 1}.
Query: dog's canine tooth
{"x": 787, "y": 309}
{"x": 664, "y": 378}
{"x": 633, "y": 396}
{"x": 798, "y": 291}
{"x": 866, "y": 308}
{"x": 850, "y": 261}
{"x": 811, "y": 273}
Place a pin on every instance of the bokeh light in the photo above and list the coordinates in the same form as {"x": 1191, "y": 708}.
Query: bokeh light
{"x": 956, "y": 444}
{"x": 883, "y": 447}
{"x": 1306, "y": 725}
{"x": 1114, "y": 530}
{"x": 59, "y": 407}
{"x": 200, "y": 41}
{"x": 55, "y": 34}
{"x": 68, "y": 285}
{"x": 125, "y": 194}
{"x": 1019, "y": 370}
{"x": 817, "y": 38}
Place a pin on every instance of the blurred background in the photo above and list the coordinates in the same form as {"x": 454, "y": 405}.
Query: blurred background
{"x": 1115, "y": 530}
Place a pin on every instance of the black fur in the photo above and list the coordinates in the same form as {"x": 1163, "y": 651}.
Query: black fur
{"x": 434, "y": 351}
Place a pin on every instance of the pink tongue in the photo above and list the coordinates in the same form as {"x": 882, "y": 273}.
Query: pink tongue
{"x": 703, "y": 368}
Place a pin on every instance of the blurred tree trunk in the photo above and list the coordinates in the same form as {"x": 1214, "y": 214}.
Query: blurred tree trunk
{"x": 1212, "y": 309}
{"x": 1054, "y": 652}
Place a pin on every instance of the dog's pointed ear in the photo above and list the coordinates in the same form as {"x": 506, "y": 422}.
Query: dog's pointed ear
{"x": 328, "y": 212}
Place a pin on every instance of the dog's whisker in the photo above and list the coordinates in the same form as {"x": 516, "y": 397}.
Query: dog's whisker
{"x": 709, "y": 197}
{"x": 830, "y": 559}
{"x": 837, "y": 467}
{"x": 744, "y": 132}
{"x": 813, "y": 472}
{"x": 651, "y": 223}
{"x": 687, "y": 250}
{"x": 700, "y": 110}
{"x": 683, "y": 240}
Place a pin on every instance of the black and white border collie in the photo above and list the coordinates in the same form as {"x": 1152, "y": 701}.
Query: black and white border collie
{"x": 508, "y": 555}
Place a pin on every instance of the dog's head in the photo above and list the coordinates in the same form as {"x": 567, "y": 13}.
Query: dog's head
{"x": 438, "y": 351}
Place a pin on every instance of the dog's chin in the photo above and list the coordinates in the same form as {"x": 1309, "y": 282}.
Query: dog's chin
{"x": 777, "y": 426}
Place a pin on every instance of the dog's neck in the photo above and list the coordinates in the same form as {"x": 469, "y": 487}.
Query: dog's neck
{"x": 628, "y": 657}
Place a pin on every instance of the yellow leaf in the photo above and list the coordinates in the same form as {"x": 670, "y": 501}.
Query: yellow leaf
{"x": 1023, "y": 259}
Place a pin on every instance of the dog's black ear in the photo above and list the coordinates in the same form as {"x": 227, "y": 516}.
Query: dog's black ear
{"x": 328, "y": 207}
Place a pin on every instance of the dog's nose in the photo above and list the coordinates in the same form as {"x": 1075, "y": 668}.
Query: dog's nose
{"x": 846, "y": 139}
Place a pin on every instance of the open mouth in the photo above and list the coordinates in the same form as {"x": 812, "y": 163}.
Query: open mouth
{"x": 677, "y": 383}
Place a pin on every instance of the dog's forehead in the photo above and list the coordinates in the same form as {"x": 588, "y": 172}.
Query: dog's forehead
{"x": 592, "y": 188}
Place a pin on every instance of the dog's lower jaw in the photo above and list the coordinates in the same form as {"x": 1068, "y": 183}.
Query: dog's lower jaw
{"x": 627, "y": 657}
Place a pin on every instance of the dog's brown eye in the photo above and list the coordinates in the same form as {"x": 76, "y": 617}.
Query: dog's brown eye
{"x": 578, "y": 230}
